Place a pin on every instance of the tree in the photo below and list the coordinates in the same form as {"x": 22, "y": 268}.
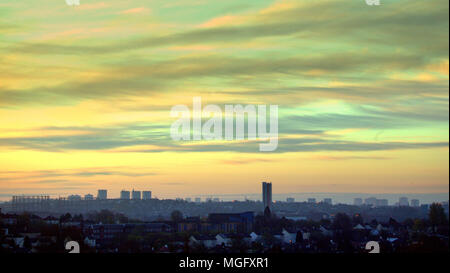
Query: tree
{"x": 122, "y": 218}
{"x": 342, "y": 222}
{"x": 374, "y": 223}
{"x": 257, "y": 247}
{"x": 267, "y": 213}
{"x": 268, "y": 239}
{"x": 238, "y": 245}
{"x": 65, "y": 218}
{"x": 27, "y": 243}
{"x": 408, "y": 222}
{"x": 418, "y": 225}
{"x": 357, "y": 219}
{"x": 24, "y": 221}
{"x": 199, "y": 248}
{"x": 299, "y": 237}
{"x": 437, "y": 215}
{"x": 343, "y": 225}
{"x": 393, "y": 223}
{"x": 106, "y": 217}
{"x": 176, "y": 216}
{"x": 77, "y": 218}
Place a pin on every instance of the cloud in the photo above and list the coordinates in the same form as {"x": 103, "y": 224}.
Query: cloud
{"x": 339, "y": 158}
{"x": 390, "y": 26}
{"x": 165, "y": 144}
{"x": 360, "y": 46}
{"x": 134, "y": 10}
{"x": 299, "y": 130}
{"x": 147, "y": 78}
{"x": 31, "y": 176}
{"x": 90, "y": 173}
{"x": 288, "y": 53}
{"x": 172, "y": 183}
{"x": 93, "y": 6}
{"x": 244, "y": 161}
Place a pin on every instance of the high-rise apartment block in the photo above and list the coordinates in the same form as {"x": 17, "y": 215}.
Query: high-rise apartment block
{"x": 267, "y": 194}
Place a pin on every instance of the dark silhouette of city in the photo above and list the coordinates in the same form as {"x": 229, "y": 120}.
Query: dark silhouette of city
{"x": 140, "y": 223}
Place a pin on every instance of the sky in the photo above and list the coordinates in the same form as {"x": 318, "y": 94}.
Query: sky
{"x": 86, "y": 93}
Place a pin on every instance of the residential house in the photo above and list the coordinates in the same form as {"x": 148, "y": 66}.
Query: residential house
{"x": 289, "y": 237}
{"x": 206, "y": 240}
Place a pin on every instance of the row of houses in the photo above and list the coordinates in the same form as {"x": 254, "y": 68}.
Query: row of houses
{"x": 12, "y": 218}
{"x": 360, "y": 235}
{"x": 223, "y": 223}
{"x": 222, "y": 239}
{"x": 110, "y": 231}
{"x": 17, "y": 242}
{"x": 219, "y": 223}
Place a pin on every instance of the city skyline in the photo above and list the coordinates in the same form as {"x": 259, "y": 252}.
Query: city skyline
{"x": 86, "y": 93}
{"x": 330, "y": 198}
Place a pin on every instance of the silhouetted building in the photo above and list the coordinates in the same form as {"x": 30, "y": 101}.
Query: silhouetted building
{"x": 136, "y": 195}
{"x": 88, "y": 197}
{"x": 125, "y": 195}
{"x": 403, "y": 202}
{"x": 357, "y": 201}
{"x": 371, "y": 201}
{"x": 312, "y": 200}
{"x": 74, "y": 197}
{"x": 146, "y": 195}
{"x": 102, "y": 195}
{"x": 415, "y": 203}
{"x": 30, "y": 202}
{"x": 290, "y": 200}
{"x": 375, "y": 202}
{"x": 267, "y": 194}
{"x": 231, "y": 222}
{"x": 328, "y": 201}
{"x": 381, "y": 202}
